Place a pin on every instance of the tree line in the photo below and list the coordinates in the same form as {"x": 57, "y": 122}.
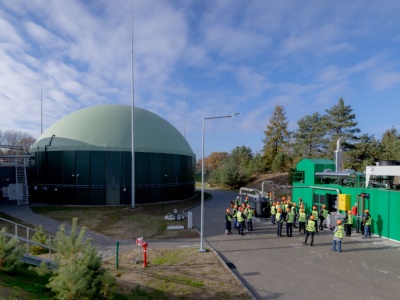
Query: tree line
{"x": 16, "y": 138}
{"x": 316, "y": 136}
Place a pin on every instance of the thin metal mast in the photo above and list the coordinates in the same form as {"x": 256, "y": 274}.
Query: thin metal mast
{"x": 184, "y": 112}
{"x": 132, "y": 125}
{"x": 41, "y": 103}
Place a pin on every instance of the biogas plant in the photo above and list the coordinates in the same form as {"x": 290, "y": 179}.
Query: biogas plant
{"x": 86, "y": 157}
{"x": 324, "y": 182}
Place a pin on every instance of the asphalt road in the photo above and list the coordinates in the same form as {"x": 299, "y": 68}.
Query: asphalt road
{"x": 273, "y": 267}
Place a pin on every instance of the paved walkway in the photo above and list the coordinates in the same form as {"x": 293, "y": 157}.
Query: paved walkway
{"x": 105, "y": 245}
{"x": 273, "y": 267}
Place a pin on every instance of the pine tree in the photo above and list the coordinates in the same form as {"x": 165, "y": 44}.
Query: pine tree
{"x": 41, "y": 238}
{"x": 276, "y": 136}
{"x": 10, "y": 252}
{"x": 340, "y": 122}
{"x": 390, "y": 145}
{"x": 80, "y": 275}
{"x": 235, "y": 170}
{"x": 309, "y": 139}
{"x": 365, "y": 153}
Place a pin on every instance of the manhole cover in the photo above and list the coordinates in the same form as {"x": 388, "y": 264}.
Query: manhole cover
{"x": 231, "y": 265}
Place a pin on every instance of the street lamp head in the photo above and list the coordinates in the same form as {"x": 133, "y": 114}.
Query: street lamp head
{"x": 221, "y": 117}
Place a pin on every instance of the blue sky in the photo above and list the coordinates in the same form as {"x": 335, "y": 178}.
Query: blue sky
{"x": 203, "y": 58}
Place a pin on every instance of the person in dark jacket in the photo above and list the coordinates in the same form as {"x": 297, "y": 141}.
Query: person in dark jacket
{"x": 367, "y": 221}
{"x": 323, "y": 214}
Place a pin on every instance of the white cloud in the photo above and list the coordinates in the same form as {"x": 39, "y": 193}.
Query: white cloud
{"x": 227, "y": 55}
{"x": 385, "y": 79}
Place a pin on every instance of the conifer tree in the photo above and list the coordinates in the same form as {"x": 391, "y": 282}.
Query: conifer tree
{"x": 309, "y": 141}
{"x": 235, "y": 170}
{"x": 340, "y": 122}
{"x": 79, "y": 274}
{"x": 10, "y": 252}
{"x": 390, "y": 145}
{"x": 276, "y": 136}
{"x": 366, "y": 152}
{"x": 41, "y": 238}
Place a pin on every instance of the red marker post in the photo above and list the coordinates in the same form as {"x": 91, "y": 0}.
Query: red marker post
{"x": 139, "y": 242}
{"x": 144, "y": 245}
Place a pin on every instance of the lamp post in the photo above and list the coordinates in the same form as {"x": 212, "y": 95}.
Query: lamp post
{"x": 202, "y": 180}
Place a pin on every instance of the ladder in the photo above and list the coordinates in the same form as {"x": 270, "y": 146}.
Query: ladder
{"x": 21, "y": 183}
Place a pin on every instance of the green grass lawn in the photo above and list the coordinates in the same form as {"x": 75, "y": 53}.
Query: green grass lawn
{"x": 119, "y": 222}
{"x": 24, "y": 284}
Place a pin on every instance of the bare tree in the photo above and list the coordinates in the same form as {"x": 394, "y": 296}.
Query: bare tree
{"x": 16, "y": 138}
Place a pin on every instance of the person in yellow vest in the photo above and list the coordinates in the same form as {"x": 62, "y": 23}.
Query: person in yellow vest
{"x": 273, "y": 213}
{"x": 367, "y": 220}
{"x": 237, "y": 201}
{"x": 287, "y": 203}
{"x": 279, "y": 222}
{"x": 348, "y": 222}
{"x": 244, "y": 210}
{"x": 234, "y": 216}
{"x": 246, "y": 201}
{"x": 240, "y": 219}
{"x": 338, "y": 236}
{"x": 249, "y": 218}
{"x": 295, "y": 211}
{"x": 301, "y": 202}
{"x": 289, "y": 222}
{"x": 228, "y": 221}
{"x": 277, "y": 206}
{"x": 323, "y": 214}
{"x": 302, "y": 220}
{"x": 314, "y": 213}
{"x": 310, "y": 230}
{"x": 283, "y": 207}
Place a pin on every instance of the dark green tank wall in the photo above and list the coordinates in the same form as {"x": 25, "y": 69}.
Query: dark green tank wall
{"x": 104, "y": 177}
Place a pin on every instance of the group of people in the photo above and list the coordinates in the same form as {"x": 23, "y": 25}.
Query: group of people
{"x": 242, "y": 213}
{"x": 289, "y": 213}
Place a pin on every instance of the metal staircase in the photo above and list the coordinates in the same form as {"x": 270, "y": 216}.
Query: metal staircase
{"x": 21, "y": 183}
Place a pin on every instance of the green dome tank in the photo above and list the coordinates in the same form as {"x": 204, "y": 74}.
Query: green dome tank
{"x": 85, "y": 158}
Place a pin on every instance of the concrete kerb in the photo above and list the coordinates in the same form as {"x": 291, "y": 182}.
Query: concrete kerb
{"x": 237, "y": 279}
{"x": 222, "y": 260}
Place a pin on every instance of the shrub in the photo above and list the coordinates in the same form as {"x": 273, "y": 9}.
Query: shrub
{"x": 41, "y": 238}
{"x": 10, "y": 252}
{"x": 79, "y": 275}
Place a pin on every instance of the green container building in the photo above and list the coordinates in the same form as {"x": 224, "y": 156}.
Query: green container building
{"x": 85, "y": 158}
{"x": 318, "y": 183}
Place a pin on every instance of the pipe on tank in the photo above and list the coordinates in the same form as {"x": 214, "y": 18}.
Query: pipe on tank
{"x": 339, "y": 155}
{"x": 262, "y": 187}
{"x": 255, "y": 196}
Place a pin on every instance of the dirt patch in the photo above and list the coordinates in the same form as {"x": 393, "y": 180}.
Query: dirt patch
{"x": 281, "y": 179}
{"x": 124, "y": 223}
{"x": 277, "y": 178}
{"x": 183, "y": 273}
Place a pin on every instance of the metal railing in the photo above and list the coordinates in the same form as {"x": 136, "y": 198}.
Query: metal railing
{"x": 97, "y": 186}
{"x": 24, "y": 234}
{"x": 14, "y": 160}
